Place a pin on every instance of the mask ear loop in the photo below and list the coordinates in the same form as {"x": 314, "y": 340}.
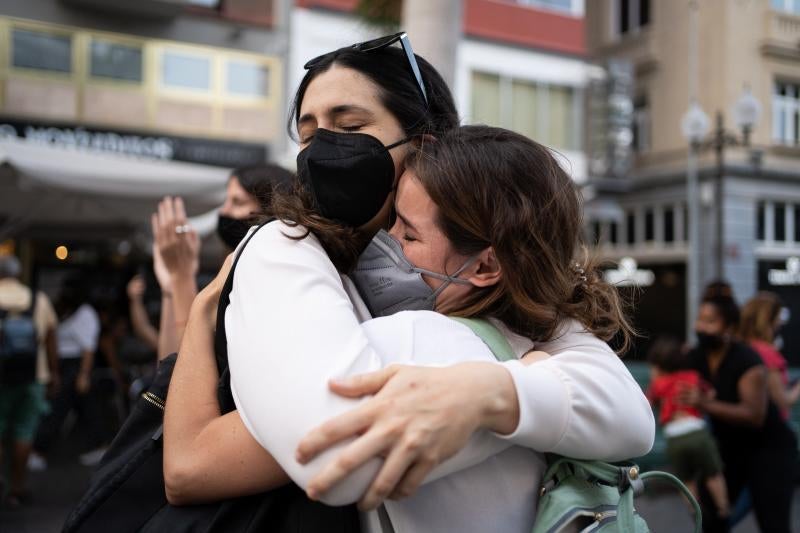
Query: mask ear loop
{"x": 448, "y": 279}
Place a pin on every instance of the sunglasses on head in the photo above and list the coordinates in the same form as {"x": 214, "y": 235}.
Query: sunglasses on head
{"x": 379, "y": 44}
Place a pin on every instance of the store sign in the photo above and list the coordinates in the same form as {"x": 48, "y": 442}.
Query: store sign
{"x": 168, "y": 148}
{"x": 790, "y": 276}
{"x": 627, "y": 274}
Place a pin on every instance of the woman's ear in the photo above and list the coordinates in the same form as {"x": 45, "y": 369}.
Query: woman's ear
{"x": 486, "y": 270}
{"x": 421, "y": 140}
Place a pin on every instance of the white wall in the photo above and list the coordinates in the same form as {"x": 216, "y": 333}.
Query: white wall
{"x": 313, "y": 33}
{"x": 522, "y": 64}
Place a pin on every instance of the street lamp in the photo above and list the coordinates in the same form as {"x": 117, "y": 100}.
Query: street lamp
{"x": 694, "y": 126}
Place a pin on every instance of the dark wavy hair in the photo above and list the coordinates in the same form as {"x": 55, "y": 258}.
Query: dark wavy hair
{"x": 493, "y": 187}
{"x": 388, "y": 68}
{"x": 262, "y": 180}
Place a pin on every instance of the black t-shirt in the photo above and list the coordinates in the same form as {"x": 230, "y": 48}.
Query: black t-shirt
{"x": 734, "y": 438}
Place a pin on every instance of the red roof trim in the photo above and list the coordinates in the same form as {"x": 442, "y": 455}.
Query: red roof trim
{"x": 528, "y": 26}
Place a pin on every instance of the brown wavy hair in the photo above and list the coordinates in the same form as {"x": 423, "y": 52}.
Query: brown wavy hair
{"x": 758, "y": 317}
{"x": 494, "y": 187}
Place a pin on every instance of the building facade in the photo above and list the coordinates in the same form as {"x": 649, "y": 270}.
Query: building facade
{"x": 106, "y": 106}
{"x": 519, "y": 64}
{"x": 741, "y": 47}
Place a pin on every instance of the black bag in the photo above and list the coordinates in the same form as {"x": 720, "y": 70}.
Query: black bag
{"x": 126, "y": 493}
{"x": 19, "y": 346}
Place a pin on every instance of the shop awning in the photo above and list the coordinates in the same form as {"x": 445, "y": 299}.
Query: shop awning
{"x": 45, "y": 184}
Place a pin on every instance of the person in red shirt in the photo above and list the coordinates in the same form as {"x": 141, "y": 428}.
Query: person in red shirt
{"x": 761, "y": 319}
{"x": 690, "y": 446}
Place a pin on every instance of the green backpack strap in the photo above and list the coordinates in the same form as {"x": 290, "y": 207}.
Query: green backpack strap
{"x": 491, "y": 336}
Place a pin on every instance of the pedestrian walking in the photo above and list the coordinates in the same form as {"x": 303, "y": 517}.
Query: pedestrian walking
{"x": 28, "y": 364}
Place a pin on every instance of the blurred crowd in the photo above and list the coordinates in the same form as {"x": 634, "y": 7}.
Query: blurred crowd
{"x": 724, "y": 405}
{"x": 78, "y": 363}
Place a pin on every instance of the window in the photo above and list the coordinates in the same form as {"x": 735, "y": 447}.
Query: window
{"x": 786, "y": 113}
{"x": 525, "y": 99}
{"x": 247, "y": 79}
{"x": 787, "y": 6}
{"x": 115, "y": 61}
{"x": 186, "y": 71}
{"x": 561, "y": 118}
{"x": 761, "y": 221}
{"x": 685, "y": 220}
{"x": 780, "y": 222}
{"x": 797, "y": 223}
{"x": 669, "y": 224}
{"x": 596, "y": 233}
{"x": 641, "y": 125}
{"x": 631, "y": 228}
{"x": 565, "y": 6}
{"x": 41, "y": 51}
{"x": 613, "y": 230}
{"x": 632, "y": 15}
{"x": 649, "y": 226}
{"x": 547, "y": 113}
{"x": 485, "y": 98}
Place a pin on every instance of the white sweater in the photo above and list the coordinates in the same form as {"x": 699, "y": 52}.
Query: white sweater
{"x": 292, "y": 325}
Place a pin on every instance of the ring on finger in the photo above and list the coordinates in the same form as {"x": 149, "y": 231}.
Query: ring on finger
{"x": 184, "y": 228}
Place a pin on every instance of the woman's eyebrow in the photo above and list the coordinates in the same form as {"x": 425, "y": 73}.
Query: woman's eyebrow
{"x": 349, "y": 108}
{"x": 405, "y": 221}
{"x": 335, "y": 111}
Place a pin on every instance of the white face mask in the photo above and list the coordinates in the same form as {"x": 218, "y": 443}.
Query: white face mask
{"x": 389, "y": 283}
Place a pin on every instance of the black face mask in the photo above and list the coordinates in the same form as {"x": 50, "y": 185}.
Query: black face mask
{"x": 232, "y": 230}
{"x": 350, "y": 175}
{"x": 709, "y": 343}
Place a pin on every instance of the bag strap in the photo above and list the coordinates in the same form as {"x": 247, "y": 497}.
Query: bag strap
{"x": 674, "y": 481}
{"x": 625, "y": 476}
{"x": 220, "y": 338}
{"x": 491, "y": 336}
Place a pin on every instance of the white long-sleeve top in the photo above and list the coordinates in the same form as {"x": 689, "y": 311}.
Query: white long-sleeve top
{"x": 292, "y": 325}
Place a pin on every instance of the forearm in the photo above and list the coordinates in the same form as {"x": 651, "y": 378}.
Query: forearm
{"x": 778, "y": 393}
{"x": 570, "y": 398}
{"x": 87, "y": 362}
{"x": 184, "y": 290}
{"x": 168, "y": 341}
{"x": 52, "y": 354}
{"x": 736, "y": 413}
{"x": 207, "y": 456}
{"x": 141, "y": 323}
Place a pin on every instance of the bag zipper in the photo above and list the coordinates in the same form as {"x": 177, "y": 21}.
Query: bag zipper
{"x": 153, "y": 399}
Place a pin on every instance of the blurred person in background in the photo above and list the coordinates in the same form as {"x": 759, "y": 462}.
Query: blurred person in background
{"x": 77, "y": 337}
{"x": 176, "y": 246}
{"x": 761, "y": 321}
{"x": 140, "y": 321}
{"x": 756, "y": 446}
{"x": 28, "y": 362}
{"x": 105, "y": 405}
{"x": 691, "y": 448}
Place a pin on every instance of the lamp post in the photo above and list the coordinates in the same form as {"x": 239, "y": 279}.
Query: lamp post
{"x": 746, "y": 114}
{"x": 695, "y": 127}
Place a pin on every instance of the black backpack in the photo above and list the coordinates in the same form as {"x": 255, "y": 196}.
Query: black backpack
{"x": 19, "y": 346}
{"x": 126, "y": 493}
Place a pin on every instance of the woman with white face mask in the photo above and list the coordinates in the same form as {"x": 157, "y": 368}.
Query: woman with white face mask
{"x": 293, "y": 324}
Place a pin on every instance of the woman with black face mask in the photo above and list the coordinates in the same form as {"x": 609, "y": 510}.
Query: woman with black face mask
{"x": 176, "y": 246}
{"x": 249, "y": 188}
{"x": 756, "y": 446}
